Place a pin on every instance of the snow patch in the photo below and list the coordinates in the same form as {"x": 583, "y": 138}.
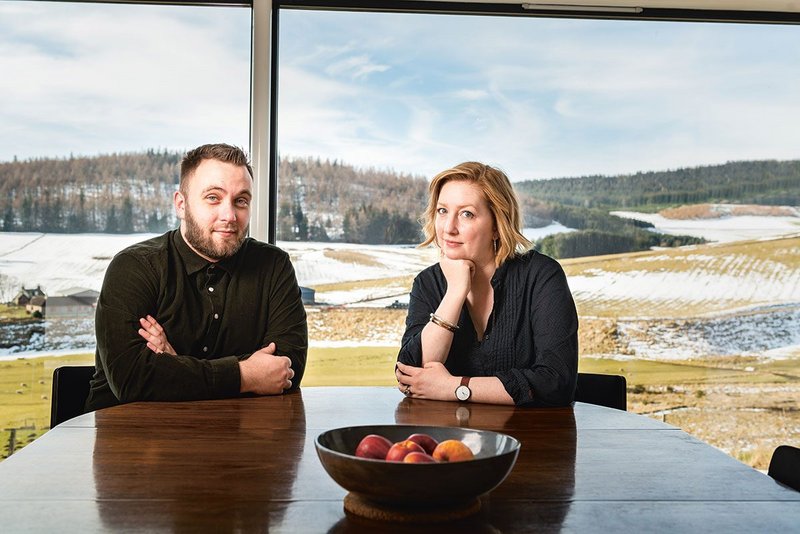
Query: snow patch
{"x": 723, "y": 229}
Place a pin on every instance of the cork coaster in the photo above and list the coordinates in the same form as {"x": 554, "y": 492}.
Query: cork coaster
{"x": 357, "y": 505}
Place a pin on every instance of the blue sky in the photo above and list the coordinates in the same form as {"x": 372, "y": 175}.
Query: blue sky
{"x": 414, "y": 93}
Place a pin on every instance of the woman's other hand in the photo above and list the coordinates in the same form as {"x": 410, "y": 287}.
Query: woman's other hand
{"x": 154, "y": 335}
{"x": 433, "y": 381}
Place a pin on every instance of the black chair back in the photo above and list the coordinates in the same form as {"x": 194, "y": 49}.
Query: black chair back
{"x": 785, "y": 466}
{"x": 70, "y": 391}
{"x": 603, "y": 390}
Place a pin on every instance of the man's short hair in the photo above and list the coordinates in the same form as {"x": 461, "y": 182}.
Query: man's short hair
{"x": 217, "y": 151}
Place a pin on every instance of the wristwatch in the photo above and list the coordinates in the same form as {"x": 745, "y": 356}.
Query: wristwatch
{"x": 463, "y": 393}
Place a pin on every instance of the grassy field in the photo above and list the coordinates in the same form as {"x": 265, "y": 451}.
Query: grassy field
{"x": 12, "y": 312}
{"x": 25, "y": 387}
{"x": 744, "y": 407}
{"x": 400, "y": 281}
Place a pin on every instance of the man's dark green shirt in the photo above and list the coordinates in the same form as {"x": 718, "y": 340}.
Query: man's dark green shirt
{"x": 214, "y": 315}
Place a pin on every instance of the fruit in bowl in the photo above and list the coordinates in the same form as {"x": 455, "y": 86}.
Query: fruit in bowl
{"x": 373, "y": 446}
{"x": 379, "y": 448}
{"x": 418, "y": 458}
{"x": 417, "y": 481}
{"x": 452, "y": 450}
{"x": 425, "y": 441}
{"x": 401, "y": 449}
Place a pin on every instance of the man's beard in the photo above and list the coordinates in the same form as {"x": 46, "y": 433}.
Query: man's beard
{"x": 205, "y": 245}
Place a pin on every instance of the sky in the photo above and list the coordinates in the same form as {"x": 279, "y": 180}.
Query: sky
{"x": 539, "y": 98}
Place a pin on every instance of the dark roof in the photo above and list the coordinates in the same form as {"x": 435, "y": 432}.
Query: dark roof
{"x": 30, "y": 292}
{"x": 54, "y": 302}
{"x": 79, "y": 292}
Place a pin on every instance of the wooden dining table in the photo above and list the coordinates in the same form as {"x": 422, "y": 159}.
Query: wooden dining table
{"x": 250, "y": 465}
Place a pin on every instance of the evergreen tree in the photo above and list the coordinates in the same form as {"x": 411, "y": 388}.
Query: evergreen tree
{"x": 285, "y": 222}
{"x": 300, "y": 223}
{"x": 80, "y": 222}
{"x": 26, "y": 218}
{"x": 347, "y": 228}
{"x": 8, "y": 219}
{"x": 112, "y": 221}
{"x": 317, "y": 233}
{"x": 125, "y": 224}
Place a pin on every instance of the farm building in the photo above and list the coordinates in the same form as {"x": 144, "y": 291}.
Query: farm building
{"x": 26, "y": 294}
{"x": 72, "y": 303}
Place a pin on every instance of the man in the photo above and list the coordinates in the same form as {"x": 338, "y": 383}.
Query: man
{"x": 204, "y": 311}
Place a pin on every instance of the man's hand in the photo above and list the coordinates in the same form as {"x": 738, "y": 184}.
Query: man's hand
{"x": 266, "y": 373}
{"x": 154, "y": 334}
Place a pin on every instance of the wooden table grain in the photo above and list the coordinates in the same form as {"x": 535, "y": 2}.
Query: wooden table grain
{"x": 249, "y": 465}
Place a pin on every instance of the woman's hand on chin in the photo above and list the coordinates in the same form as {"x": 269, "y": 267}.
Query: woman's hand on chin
{"x": 458, "y": 273}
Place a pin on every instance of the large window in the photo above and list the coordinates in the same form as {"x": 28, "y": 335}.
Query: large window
{"x": 688, "y": 128}
{"x": 99, "y": 102}
{"x": 656, "y": 160}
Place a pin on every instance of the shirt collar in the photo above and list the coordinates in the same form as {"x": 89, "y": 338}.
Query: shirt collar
{"x": 192, "y": 262}
{"x": 229, "y": 264}
{"x": 500, "y": 273}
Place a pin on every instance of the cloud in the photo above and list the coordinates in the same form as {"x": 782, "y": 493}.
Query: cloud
{"x": 471, "y": 94}
{"x": 90, "y": 79}
{"x": 355, "y": 67}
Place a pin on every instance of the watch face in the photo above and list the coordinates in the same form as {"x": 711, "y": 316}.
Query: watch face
{"x": 463, "y": 393}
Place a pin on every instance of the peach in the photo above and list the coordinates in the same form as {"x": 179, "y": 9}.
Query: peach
{"x": 373, "y": 446}
{"x": 452, "y": 450}
{"x": 399, "y": 450}
{"x": 424, "y": 441}
{"x": 418, "y": 458}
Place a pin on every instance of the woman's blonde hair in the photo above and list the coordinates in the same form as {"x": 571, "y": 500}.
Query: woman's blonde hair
{"x": 499, "y": 195}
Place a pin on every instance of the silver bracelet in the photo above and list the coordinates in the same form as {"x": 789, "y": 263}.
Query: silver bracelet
{"x": 447, "y": 325}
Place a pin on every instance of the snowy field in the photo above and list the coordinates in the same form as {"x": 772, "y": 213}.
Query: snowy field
{"x": 704, "y": 284}
{"x": 722, "y": 229}
{"x": 64, "y": 261}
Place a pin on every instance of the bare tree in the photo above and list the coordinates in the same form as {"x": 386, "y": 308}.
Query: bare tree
{"x": 8, "y": 287}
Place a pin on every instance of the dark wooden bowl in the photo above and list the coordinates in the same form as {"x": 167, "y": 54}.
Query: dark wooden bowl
{"x": 420, "y": 484}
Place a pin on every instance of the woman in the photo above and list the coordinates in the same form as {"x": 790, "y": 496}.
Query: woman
{"x": 489, "y": 322}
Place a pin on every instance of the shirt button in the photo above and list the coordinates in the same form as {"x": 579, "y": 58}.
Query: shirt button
{"x": 216, "y": 316}
{"x": 205, "y": 349}
{"x": 211, "y": 289}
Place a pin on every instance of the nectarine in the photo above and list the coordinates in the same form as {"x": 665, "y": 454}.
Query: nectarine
{"x": 425, "y": 441}
{"x": 452, "y": 450}
{"x": 418, "y": 458}
{"x": 399, "y": 450}
{"x": 373, "y": 446}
